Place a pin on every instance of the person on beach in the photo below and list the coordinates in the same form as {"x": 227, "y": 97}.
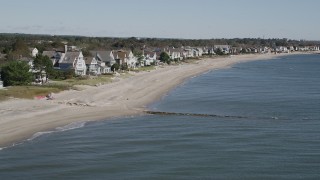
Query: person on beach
{"x": 49, "y": 96}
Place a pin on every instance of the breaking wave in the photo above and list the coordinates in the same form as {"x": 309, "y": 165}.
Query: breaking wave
{"x": 71, "y": 126}
{"x": 74, "y": 125}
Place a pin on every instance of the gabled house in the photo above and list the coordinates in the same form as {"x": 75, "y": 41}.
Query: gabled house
{"x": 224, "y": 48}
{"x": 205, "y": 51}
{"x": 79, "y": 65}
{"x": 198, "y": 51}
{"x": 104, "y": 60}
{"x": 73, "y": 60}
{"x": 125, "y": 57}
{"x": 54, "y": 56}
{"x": 188, "y": 52}
{"x": 104, "y": 56}
{"x": 174, "y": 53}
{"x": 149, "y": 58}
{"x": 34, "y": 52}
{"x": 1, "y": 83}
{"x": 211, "y": 51}
{"x": 92, "y": 66}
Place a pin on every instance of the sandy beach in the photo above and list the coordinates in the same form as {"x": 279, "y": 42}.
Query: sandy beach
{"x": 21, "y": 118}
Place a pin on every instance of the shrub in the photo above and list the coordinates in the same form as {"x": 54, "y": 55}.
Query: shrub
{"x": 115, "y": 67}
{"x": 16, "y": 73}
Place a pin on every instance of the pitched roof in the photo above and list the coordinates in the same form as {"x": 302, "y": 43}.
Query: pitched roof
{"x": 120, "y": 54}
{"x": 27, "y": 59}
{"x": 150, "y": 53}
{"x": 31, "y": 49}
{"x": 102, "y": 55}
{"x": 70, "y": 57}
{"x": 88, "y": 60}
{"x": 50, "y": 54}
{"x": 2, "y": 55}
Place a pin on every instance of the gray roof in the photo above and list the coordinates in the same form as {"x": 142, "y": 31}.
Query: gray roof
{"x": 150, "y": 53}
{"x": 103, "y": 56}
{"x": 70, "y": 57}
{"x": 221, "y": 46}
{"x": 2, "y": 55}
{"x": 50, "y": 54}
{"x": 88, "y": 60}
{"x": 27, "y": 59}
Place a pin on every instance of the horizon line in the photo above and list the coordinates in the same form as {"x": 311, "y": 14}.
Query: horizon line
{"x": 127, "y": 37}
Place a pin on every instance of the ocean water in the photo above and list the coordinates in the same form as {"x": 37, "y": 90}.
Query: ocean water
{"x": 266, "y": 126}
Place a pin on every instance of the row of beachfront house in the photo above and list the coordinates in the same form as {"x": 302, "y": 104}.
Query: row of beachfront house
{"x": 100, "y": 62}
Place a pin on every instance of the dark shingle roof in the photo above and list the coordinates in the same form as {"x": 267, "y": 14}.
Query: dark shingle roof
{"x": 88, "y": 60}
{"x": 50, "y": 54}
{"x": 70, "y": 57}
{"x": 120, "y": 54}
{"x": 102, "y": 55}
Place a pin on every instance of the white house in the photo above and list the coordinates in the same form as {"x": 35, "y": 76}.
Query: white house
{"x": 54, "y": 56}
{"x": 96, "y": 66}
{"x": 282, "y": 49}
{"x": 34, "y": 52}
{"x": 79, "y": 65}
{"x": 188, "y": 52}
{"x": 224, "y": 48}
{"x": 149, "y": 58}
{"x": 199, "y": 51}
{"x": 104, "y": 60}
{"x": 131, "y": 60}
{"x": 174, "y": 53}
{"x": 92, "y": 66}
{"x": 125, "y": 57}
{"x": 1, "y": 83}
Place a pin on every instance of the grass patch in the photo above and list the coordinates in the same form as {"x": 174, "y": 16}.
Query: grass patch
{"x": 86, "y": 80}
{"x": 144, "y": 68}
{"x": 27, "y": 92}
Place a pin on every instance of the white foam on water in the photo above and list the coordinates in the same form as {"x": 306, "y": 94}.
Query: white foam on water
{"x": 74, "y": 125}
{"x": 38, "y": 134}
{"x": 71, "y": 126}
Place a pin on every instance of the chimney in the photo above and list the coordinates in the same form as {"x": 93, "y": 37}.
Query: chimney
{"x": 65, "y": 48}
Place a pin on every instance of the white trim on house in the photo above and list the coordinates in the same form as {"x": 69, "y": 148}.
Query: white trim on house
{"x": 80, "y": 67}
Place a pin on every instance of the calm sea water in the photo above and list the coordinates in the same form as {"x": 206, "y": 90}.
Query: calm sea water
{"x": 273, "y": 132}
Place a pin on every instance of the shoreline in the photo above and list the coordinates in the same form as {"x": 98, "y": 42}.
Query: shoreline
{"x": 21, "y": 118}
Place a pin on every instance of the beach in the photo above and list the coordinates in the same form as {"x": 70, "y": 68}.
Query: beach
{"x": 21, "y": 118}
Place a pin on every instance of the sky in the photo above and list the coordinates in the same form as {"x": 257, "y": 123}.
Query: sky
{"x": 188, "y": 19}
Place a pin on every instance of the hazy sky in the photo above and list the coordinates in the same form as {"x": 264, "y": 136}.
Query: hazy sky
{"x": 191, "y": 19}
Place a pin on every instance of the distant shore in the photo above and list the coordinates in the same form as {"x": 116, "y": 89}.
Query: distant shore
{"x": 21, "y": 118}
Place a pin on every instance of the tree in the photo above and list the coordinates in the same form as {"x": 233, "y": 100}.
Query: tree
{"x": 86, "y": 53}
{"x": 43, "y": 64}
{"x": 124, "y": 66}
{"x": 16, "y": 73}
{"x": 243, "y": 51}
{"x": 115, "y": 67}
{"x": 219, "y": 52}
{"x": 139, "y": 56}
{"x": 164, "y": 57}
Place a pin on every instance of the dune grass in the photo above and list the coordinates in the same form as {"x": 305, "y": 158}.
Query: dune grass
{"x": 145, "y": 68}
{"x": 30, "y": 92}
{"x": 55, "y": 86}
{"x": 90, "y": 81}
{"x": 27, "y": 92}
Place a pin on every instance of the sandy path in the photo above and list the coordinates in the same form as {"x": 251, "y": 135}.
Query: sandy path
{"x": 20, "y": 119}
